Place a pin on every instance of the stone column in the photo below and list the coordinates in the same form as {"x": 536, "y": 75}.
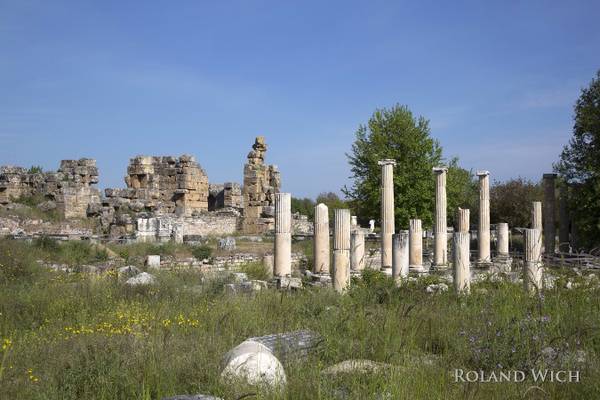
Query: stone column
{"x": 563, "y": 218}
{"x": 353, "y": 222}
{"x": 462, "y": 220}
{"x": 321, "y": 240}
{"x": 283, "y": 235}
{"x": 462, "y": 251}
{"x": 415, "y": 242}
{"x": 536, "y": 215}
{"x": 549, "y": 213}
{"x": 533, "y": 260}
{"x": 268, "y": 263}
{"x": 341, "y": 249}
{"x": 400, "y": 250}
{"x": 357, "y": 250}
{"x": 483, "y": 233}
{"x": 502, "y": 228}
{"x": 387, "y": 211}
{"x": 440, "y": 247}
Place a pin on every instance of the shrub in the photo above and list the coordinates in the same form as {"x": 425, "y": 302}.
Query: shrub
{"x": 202, "y": 252}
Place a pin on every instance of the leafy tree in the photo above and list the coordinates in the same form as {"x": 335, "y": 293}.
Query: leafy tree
{"x": 510, "y": 201}
{"x": 396, "y": 134}
{"x": 303, "y": 206}
{"x": 35, "y": 169}
{"x": 579, "y": 165}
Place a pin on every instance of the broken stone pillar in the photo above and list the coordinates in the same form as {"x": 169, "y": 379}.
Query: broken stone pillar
{"x": 283, "y": 235}
{"x": 503, "y": 233}
{"x": 372, "y": 225}
{"x": 353, "y": 222}
{"x": 269, "y": 264}
{"x": 533, "y": 260}
{"x": 462, "y": 220}
{"x": 321, "y": 239}
{"x": 357, "y": 250}
{"x": 462, "y": 251}
{"x": 549, "y": 213}
{"x": 483, "y": 234}
{"x": 440, "y": 247}
{"x": 415, "y": 242}
{"x": 536, "y": 215}
{"x": 341, "y": 249}
{"x": 400, "y": 251}
{"x": 387, "y": 211}
{"x": 563, "y": 218}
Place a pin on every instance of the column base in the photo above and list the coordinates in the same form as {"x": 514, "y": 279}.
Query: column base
{"x": 482, "y": 264}
{"x": 440, "y": 267}
{"x": 386, "y": 270}
{"x": 288, "y": 283}
{"x": 421, "y": 269}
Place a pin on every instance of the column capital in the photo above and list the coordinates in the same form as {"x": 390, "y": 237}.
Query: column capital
{"x": 439, "y": 170}
{"x": 483, "y": 173}
{"x": 387, "y": 161}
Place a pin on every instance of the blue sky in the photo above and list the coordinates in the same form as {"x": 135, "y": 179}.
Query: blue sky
{"x": 114, "y": 79}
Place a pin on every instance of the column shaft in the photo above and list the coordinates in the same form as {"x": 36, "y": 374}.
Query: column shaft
{"x": 387, "y": 211}
{"x": 283, "y": 234}
{"x": 462, "y": 273}
{"x": 536, "y": 215}
{"x": 533, "y": 260}
{"x": 341, "y": 249}
{"x": 400, "y": 254}
{"x": 483, "y": 234}
{"x": 321, "y": 240}
{"x": 440, "y": 248}
{"x": 357, "y": 250}
{"x": 503, "y": 239}
{"x": 415, "y": 245}
{"x": 549, "y": 213}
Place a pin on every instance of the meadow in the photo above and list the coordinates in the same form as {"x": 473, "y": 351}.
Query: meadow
{"x": 89, "y": 336}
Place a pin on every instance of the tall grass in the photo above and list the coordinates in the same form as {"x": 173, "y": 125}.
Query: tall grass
{"x": 80, "y": 337}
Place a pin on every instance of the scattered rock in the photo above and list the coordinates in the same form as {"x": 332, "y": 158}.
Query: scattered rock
{"x": 227, "y": 244}
{"x": 141, "y": 279}
{"x": 287, "y": 282}
{"x": 356, "y": 367}
{"x": 153, "y": 261}
{"x": 436, "y": 288}
{"x": 129, "y": 271}
{"x": 239, "y": 277}
{"x": 193, "y": 397}
{"x": 47, "y": 206}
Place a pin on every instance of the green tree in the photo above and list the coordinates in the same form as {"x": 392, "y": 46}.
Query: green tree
{"x": 510, "y": 201}
{"x": 579, "y": 165}
{"x": 304, "y": 206}
{"x": 396, "y": 134}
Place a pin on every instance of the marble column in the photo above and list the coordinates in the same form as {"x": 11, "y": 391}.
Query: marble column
{"x": 415, "y": 243}
{"x": 462, "y": 252}
{"x": 357, "y": 250}
{"x": 533, "y": 260}
{"x": 563, "y": 218}
{"x": 440, "y": 246}
{"x": 341, "y": 249}
{"x": 387, "y": 211}
{"x": 549, "y": 213}
{"x": 483, "y": 233}
{"x": 353, "y": 222}
{"x": 536, "y": 215}
{"x": 502, "y": 230}
{"x": 283, "y": 235}
{"x": 400, "y": 251}
{"x": 321, "y": 239}
{"x": 463, "y": 220}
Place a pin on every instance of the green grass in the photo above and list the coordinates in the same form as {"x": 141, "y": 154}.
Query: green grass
{"x": 75, "y": 336}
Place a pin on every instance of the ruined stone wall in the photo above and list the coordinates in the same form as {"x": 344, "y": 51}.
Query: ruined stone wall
{"x": 261, "y": 182}
{"x": 165, "y": 228}
{"x": 227, "y": 195}
{"x": 177, "y": 185}
{"x": 72, "y": 187}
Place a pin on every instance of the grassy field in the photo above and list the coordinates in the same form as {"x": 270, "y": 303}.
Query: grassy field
{"x": 78, "y": 336}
